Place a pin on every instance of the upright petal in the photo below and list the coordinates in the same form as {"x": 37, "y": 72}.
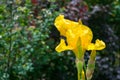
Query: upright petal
{"x": 59, "y": 22}
{"x": 86, "y": 36}
{"x": 64, "y": 24}
{"x": 80, "y": 31}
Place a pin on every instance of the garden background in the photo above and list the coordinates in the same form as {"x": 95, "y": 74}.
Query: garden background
{"x": 28, "y": 38}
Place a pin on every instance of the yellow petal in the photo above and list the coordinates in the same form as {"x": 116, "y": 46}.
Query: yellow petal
{"x": 86, "y": 36}
{"x": 71, "y": 38}
{"x": 80, "y": 31}
{"x": 62, "y": 46}
{"x": 84, "y": 33}
{"x": 99, "y": 45}
{"x": 59, "y": 24}
{"x": 91, "y": 46}
{"x": 64, "y": 24}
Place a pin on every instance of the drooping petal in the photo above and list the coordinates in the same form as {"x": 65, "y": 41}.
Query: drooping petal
{"x": 62, "y": 46}
{"x": 99, "y": 45}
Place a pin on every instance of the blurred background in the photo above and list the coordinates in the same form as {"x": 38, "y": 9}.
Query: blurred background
{"x": 28, "y": 38}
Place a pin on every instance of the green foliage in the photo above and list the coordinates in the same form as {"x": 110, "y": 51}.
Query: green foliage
{"x": 115, "y": 17}
{"x": 27, "y": 43}
{"x": 23, "y": 39}
{"x": 14, "y": 44}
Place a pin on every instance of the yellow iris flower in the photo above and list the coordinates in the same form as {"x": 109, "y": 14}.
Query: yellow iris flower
{"x": 75, "y": 32}
{"x": 78, "y": 39}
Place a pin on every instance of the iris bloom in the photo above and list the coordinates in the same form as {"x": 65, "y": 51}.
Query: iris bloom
{"x": 75, "y": 33}
{"x": 78, "y": 39}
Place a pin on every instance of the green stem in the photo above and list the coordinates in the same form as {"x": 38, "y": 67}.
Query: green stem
{"x": 79, "y": 65}
{"x": 84, "y": 68}
{"x": 78, "y": 75}
{"x": 10, "y": 25}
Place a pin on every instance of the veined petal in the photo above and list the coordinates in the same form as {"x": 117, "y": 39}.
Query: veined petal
{"x": 62, "y": 46}
{"x": 99, "y": 45}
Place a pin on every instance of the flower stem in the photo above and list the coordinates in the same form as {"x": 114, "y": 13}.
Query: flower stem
{"x": 78, "y": 75}
{"x": 79, "y": 65}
